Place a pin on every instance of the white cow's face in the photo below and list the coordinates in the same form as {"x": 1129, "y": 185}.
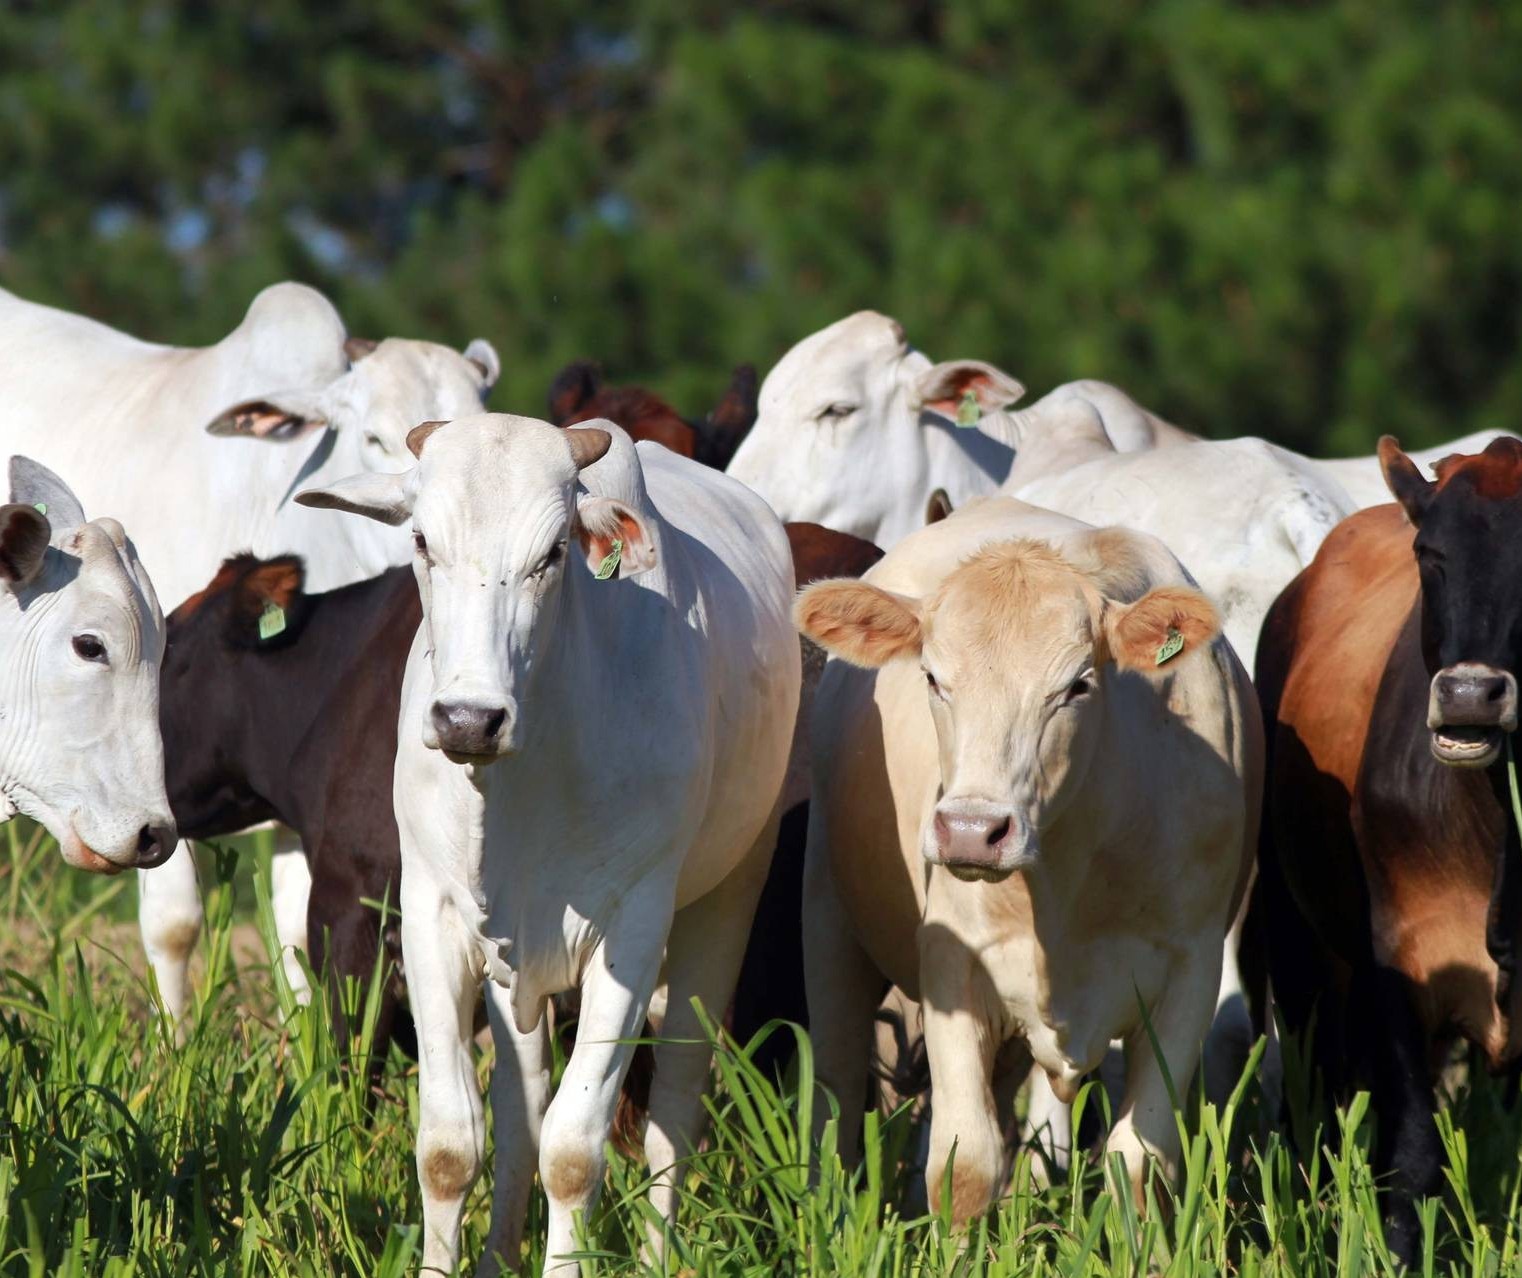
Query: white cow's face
{"x": 388, "y": 389}
{"x": 841, "y": 435}
{"x": 501, "y": 530}
{"x": 1012, "y": 649}
{"x": 81, "y": 639}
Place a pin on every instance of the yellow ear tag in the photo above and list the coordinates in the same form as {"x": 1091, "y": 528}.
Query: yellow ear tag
{"x": 1171, "y": 646}
{"x": 969, "y": 411}
{"x": 609, "y": 564}
{"x": 271, "y": 621}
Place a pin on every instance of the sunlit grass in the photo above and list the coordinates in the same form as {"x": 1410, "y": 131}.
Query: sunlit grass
{"x": 251, "y": 1150}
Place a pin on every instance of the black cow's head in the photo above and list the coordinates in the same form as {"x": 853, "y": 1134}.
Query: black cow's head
{"x": 252, "y": 608}
{"x": 1469, "y": 553}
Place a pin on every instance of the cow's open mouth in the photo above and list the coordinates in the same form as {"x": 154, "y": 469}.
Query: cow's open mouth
{"x": 1471, "y": 746}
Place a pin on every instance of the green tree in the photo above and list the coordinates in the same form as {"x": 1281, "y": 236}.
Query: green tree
{"x": 1288, "y": 220}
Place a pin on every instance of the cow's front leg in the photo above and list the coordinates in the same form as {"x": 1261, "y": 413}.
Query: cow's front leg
{"x": 961, "y": 1042}
{"x": 442, "y": 980}
{"x": 290, "y": 888}
{"x": 620, "y": 975}
{"x": 703, "y": 956}
{"x": 1146, "y": 1128}
{"x": 169, "y": 917}
{"x": 520, "y": 1094}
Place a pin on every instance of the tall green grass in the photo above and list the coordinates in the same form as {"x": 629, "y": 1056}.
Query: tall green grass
{"x": 250, "y": 1149}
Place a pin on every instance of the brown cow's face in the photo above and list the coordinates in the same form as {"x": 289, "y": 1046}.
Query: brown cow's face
{"x": 1469, "y": 554}
{"x": 1014, "y": 650}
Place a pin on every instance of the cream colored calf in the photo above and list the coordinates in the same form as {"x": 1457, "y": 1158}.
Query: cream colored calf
{"x": 1025, "y": 819}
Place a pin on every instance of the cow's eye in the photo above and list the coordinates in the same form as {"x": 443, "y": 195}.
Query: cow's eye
{"x": 551, "y": 558}
{"x": 372, "y": 440}
{"x": 835, "y": 412}
{"x": 1079, "y": 688}
{"x": 934, "y": 685}
{"x": 89, "y": 648}
{"x": 420, "y": 544}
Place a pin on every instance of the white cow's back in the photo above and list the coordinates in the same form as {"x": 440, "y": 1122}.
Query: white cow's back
{"x": 124, "y": 420}
{"x": 1243, "y": 515}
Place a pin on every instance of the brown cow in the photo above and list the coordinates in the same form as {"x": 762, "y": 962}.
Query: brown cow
{"x": 1390, "y": 867}
{"x": 578, "y": 394}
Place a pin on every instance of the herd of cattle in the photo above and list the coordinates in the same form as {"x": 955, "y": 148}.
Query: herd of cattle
{"x": 541, "y": 683}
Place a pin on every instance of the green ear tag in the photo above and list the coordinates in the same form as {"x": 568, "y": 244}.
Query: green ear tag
{"x": 969, "y": 411}
{"x": 609, "y": 564}
{"x": 271, "y": 621}
{"x": 42, "y": 507}
{"x": 1171, "y": 646}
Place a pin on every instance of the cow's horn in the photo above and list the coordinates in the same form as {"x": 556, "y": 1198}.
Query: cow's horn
{"x": 588, "y": 444}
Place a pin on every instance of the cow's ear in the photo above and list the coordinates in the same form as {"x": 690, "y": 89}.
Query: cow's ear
{"x": 937, "y": 506}
{"x": 942, "y": 388}
{"x": 269, "y": 602}
{"x": 24, "y": 537}
{"x": 483, "y": 355}
{"x": 573, "y": 386}
{"x": 1406, "y": 482}
{"x": 725, "y": 429}
{"x": 858, "y": 622}
{"x": 1163, "y": 627}
{"x": 356, "y": 348}
{"x": 280, "y": 418}
{"x": 34, "y": 484}
{"x": 387, "y": 498}
{"x": 602, "y": 521}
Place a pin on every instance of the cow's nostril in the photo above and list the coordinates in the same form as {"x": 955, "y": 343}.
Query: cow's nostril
{"x": 493, "y": 722}
{"x": 998, "y": 834}
{"x": 1497, "y": 690}
{"x": 154, "y": 842}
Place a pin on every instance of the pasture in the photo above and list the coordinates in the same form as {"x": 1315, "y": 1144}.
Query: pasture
{"x": 250, "y": 1151}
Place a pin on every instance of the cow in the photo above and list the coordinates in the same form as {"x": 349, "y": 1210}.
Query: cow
{"x": 1036, "y": 774}
{"x": 81, "y": 637}
{"x": 579, "y": 394}
{"x": 297, "y": 724}
{"x": 130, "y": 421}
{"x": 1390, "y": 885}
{"x": 856, "y": 429}
{"x": 595, "y": 722}
{"x": 1244, "y": 517}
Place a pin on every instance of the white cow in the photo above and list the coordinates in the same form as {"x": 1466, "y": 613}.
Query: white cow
{"x": 594, "y": 726}
{"x": 1038, "y": 813}
{"x": 81, "y": 638}
{"x": 130, "y": 421}
{"x": 857, "y": 428}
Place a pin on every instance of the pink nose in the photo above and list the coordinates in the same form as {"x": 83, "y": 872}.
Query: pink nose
{"x": 972, "y": 839}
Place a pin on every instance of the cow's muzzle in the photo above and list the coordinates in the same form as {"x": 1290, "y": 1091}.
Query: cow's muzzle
{"x": 151, "y": 846}
{"x": 1469, "y": 708}
{"x": 979, "y": 841}
{"x": 471, "y": 732}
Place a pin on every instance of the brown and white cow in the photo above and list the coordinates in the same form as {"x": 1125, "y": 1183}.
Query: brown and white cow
{"x": 1390, "y": 868}
{"x": 1032, "y": 815}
